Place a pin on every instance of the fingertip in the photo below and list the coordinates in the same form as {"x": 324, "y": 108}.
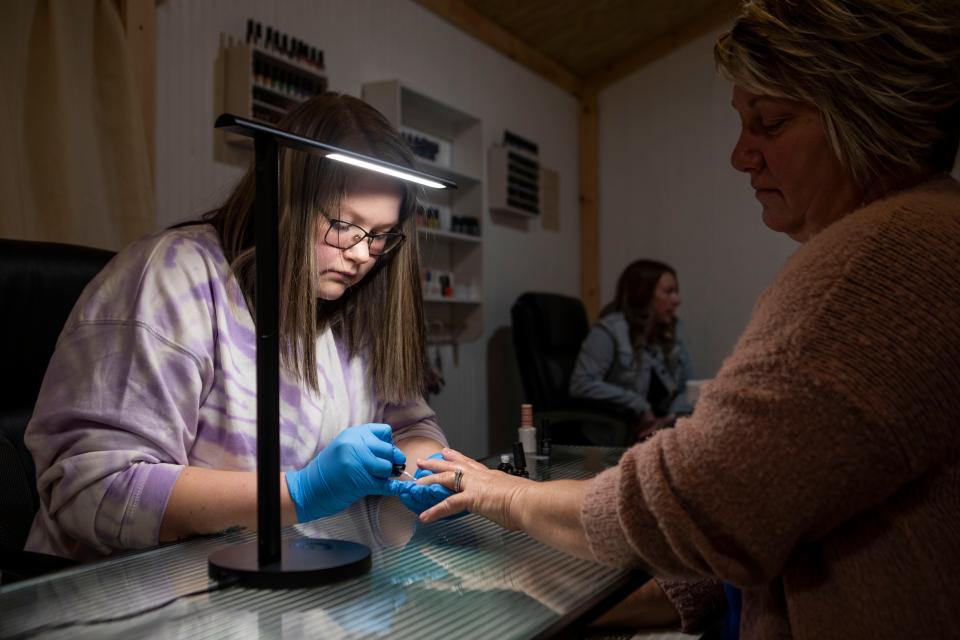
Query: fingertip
{"x": 379, "y": 467}
{"x": 382, "y": 431}
{"x": 449, "y": 454}
{"x": 393, "y": 488}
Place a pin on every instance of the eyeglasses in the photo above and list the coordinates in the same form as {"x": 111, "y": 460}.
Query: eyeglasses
{"x": 346, "y": 235}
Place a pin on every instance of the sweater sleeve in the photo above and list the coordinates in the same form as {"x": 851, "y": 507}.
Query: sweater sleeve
{"x": 821, "y": 413}
{"x": 115, "y": 419}
{"x": 593, "y": 363}
{"x": 118, "y": 410}
{"x": 413, "y": 419}
{"x": 697, "y": 600}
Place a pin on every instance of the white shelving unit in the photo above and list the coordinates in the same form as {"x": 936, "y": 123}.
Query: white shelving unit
{"x": 457, "y": 317}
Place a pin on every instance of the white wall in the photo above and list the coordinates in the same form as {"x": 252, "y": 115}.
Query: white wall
{"x": 668, "y": 192}
{"x": 368, "y": 40}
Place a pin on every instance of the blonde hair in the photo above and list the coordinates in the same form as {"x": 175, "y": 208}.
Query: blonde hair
{"x": 381, "y": 317}
{"x": 884, "y": 74}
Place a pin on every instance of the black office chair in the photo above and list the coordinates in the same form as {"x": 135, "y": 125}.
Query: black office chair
{"x": 548, "y": 330}
{"x": 39, "y": 284}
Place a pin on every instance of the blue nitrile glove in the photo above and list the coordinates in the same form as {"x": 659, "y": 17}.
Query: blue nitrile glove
{"x": 418, "y": 498}
{"x": 357, "y": 463}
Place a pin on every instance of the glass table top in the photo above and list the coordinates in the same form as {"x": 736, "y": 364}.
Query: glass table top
{"x": 465, "y": 578}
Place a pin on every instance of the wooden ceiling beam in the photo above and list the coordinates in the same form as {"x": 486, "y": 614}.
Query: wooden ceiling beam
{"x": 720, "y": 13}
{"x": 589, "y": 236}
{"x": 490, "y": 33}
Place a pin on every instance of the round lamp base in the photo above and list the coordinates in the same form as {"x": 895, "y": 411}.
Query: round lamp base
{"x": 305, "y": 562}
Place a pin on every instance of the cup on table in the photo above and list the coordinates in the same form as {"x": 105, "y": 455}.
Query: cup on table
{"x": 693, "y": 390}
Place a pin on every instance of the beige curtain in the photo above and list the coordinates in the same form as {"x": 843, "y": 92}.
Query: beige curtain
{"x": 74, "y": 165}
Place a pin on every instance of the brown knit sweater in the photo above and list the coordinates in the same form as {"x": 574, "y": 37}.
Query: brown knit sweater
{"x": 820, "y": 472}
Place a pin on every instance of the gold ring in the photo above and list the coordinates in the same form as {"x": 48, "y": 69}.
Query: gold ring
{"x": 457, "y": 477}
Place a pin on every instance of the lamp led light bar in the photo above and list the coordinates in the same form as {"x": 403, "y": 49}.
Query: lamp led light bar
{"x": 357, "y": 162}
{"x": 254, "y": 129}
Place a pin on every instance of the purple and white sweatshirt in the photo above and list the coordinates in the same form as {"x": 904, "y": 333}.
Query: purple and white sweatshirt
{"x": 156, "y": 369}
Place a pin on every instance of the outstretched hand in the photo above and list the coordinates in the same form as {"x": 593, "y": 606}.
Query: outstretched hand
{"x": 485, "y": 491}
{"x": 419, "y": 498}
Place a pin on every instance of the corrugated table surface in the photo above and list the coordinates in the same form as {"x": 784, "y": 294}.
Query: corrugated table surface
{"x": 467, "y": 578}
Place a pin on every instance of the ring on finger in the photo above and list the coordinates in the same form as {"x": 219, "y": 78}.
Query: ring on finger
{"x": 457, "y": 478}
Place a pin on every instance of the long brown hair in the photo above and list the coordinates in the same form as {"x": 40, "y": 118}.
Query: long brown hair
{"x": 381, "y": 317}
{"x": 634, "y": 299}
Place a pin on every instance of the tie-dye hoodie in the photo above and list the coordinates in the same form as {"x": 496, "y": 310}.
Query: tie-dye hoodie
{"x": 155, "y": 369}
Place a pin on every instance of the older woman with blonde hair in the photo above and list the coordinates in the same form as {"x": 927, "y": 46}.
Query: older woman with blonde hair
{"x": 820, "y": 474}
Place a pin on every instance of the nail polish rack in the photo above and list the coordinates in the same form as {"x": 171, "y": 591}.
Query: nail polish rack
{"x": 449, "y": 143}
{"x": 269, "y": 73}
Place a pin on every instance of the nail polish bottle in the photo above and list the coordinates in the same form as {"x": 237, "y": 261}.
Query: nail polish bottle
{"x": 519, "y": 461}
{"x": 526, "y": 432}
{"x": 505, "y": 465}
{"x": 544, "y": 437}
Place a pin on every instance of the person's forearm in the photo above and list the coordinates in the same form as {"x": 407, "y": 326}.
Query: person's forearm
{"x": 210, "y": 500}
{"x": 550, "y": 512}
{"x": 417, "y": 447}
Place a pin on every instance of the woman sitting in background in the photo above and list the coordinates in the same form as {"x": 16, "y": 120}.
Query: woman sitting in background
{"x": 633, "y": 357}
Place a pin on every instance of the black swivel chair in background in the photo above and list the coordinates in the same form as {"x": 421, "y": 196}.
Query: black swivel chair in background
{"x": 548, "y": 330}
{"x": 39, "y": 284}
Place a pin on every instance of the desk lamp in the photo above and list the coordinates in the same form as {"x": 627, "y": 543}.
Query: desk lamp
{"x": 271, "y": 562}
